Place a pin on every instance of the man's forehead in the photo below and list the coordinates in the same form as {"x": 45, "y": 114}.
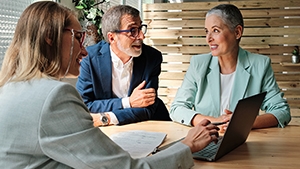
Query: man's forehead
{"x": 128, "y": 20}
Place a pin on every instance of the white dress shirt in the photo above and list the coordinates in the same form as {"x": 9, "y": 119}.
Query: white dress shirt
{"x": 121, "y": 77}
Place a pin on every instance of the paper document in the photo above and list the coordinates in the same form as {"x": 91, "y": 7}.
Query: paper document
{"x": 138, "y": 143}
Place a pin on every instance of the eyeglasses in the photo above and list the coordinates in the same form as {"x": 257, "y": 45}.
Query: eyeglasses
{"x": 134, "y": 32}
{"x": 80, "y": 35}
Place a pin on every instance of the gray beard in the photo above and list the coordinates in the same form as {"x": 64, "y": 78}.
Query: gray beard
{"x": 127, "y": 51}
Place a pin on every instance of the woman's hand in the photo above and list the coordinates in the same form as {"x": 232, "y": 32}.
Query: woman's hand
{"x": 201, "y": 135}
{"x": 224, "y": 118}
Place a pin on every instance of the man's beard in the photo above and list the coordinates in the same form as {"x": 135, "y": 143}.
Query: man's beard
{"x": 129, "y": 51}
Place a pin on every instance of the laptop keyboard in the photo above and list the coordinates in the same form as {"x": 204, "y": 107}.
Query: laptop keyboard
{"x": 210, "y": 150}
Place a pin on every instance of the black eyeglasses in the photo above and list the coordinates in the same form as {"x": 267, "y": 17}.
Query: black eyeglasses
{"x": 134, "y": 32}
{"x": 80, "y": 38}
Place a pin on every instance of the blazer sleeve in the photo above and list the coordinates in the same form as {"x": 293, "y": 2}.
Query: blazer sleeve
{"x": 274, "y": 102}
{"x": 182, "y": 108}
{"x": 67, "y": 135}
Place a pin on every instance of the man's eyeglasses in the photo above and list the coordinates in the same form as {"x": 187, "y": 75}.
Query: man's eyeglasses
{"x": 80, "y": 35}
{"x": 134, "y": 32}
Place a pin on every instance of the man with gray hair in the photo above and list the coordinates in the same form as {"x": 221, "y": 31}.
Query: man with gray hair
{"x": 118, "y": 79}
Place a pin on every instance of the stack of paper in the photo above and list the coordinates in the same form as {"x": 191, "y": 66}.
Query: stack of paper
{"x": 138, "y": 143}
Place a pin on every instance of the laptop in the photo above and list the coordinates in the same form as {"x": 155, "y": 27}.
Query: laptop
{"x": 237, "y": 130}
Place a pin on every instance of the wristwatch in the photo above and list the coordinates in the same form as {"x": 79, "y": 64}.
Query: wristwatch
{"x": 104, "y": 119}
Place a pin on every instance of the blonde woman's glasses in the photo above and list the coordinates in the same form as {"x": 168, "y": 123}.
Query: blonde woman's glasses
{"x": 78, "y": 34}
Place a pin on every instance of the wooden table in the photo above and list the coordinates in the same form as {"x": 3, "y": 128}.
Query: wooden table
{"x": 272, "y": 148}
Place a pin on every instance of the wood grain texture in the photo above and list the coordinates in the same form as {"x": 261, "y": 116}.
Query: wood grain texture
{"x": 272, "y": 28}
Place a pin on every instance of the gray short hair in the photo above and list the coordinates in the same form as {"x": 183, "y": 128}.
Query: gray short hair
{"x": 111, "y": 20}
{"x": 229, "y": 13}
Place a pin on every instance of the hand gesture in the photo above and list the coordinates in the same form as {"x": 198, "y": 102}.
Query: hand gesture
{"x": 225, "y": 118}
{"x": 201, "y": 135}
{"x": 142, "y": 97}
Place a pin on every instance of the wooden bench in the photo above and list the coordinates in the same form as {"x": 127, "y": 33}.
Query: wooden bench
{"x": 272, "y": 28}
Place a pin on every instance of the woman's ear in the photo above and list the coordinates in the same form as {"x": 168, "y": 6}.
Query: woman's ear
{"x": 238, "y": 31}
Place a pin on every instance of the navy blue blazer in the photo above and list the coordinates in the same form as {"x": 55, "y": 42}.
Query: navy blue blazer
{"x": 95, "y": 83}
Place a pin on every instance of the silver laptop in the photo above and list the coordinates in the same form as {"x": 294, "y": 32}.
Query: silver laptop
{"x": 237, "y": 131}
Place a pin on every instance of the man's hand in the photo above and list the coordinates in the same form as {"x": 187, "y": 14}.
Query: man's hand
{"x": 142, "y": 97}
{"x": 201, "y": 135}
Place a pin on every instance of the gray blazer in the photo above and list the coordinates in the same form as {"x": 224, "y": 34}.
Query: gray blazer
{"x": 45, "y": 124}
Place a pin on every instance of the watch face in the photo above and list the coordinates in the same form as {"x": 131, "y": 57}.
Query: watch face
{"x": 104, "y": 120}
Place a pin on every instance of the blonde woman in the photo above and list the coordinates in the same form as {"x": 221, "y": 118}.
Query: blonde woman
{"x": 43, "y": 121}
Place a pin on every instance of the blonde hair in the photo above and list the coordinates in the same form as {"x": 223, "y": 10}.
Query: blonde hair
{"x": 35, "y": 50}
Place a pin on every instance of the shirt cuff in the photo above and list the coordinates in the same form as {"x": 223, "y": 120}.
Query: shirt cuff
{"x": 125, "y": 102}
{"x": 113, "y": 118}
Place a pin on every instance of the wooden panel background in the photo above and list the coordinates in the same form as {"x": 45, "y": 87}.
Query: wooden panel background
{"x": 272, "y": 28}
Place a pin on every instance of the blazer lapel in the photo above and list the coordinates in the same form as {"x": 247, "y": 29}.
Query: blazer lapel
{"x": 241, "y": 79}
{"x": 139, "y": 65}
{"x": 213, "y": 79}
{"x": 105, "y": 70}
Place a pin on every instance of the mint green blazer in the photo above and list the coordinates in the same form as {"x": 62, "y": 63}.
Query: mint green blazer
{"x": 200, "y": 89}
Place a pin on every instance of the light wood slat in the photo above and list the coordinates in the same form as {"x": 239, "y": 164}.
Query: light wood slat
{"x": 184, "y": 49}
{"x": 204, "y": 49}
{"x": 171, "y": 24}
{"x": 173, "y": 67}
{"x": 270, "y": 40}
{"x": 295, "y": 121}
{"x": 172, "y": 75}
{"x": 289, "y": 85}
{"x": 178, "y": 58}
{"x": 255, "y": 46}
{"x": 169, "y": 15}
{"x": 167, "y": 91}
{"x": 270, "y": 31}
{"x": 186, "y": 58}
{"x": 200, "y": 32}
{"x": 209, "y": 5}
{"x": 293, "y": 103}
{"x": 280, "y": 58}
{"x": 274, "y": 50}
{"x": 288, "y": 64}
{"x": 270, "y": 12}
{"x": 272, "y": 22}
{"x": 295, "y": 112}
{"x": 174, "y": 33}
{"x": 287, "y": 77}
{"x": 291, "y": 96}
{"x": 200, "y": 14}
{"x": 265, "y": 41}
{"x": 170, "y": 83}
{"x": 292, "y": 92}
{"x": 279, "y": 68}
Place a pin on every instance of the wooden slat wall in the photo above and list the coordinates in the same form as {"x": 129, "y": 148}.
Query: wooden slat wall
{"x": 272, "y": 28}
